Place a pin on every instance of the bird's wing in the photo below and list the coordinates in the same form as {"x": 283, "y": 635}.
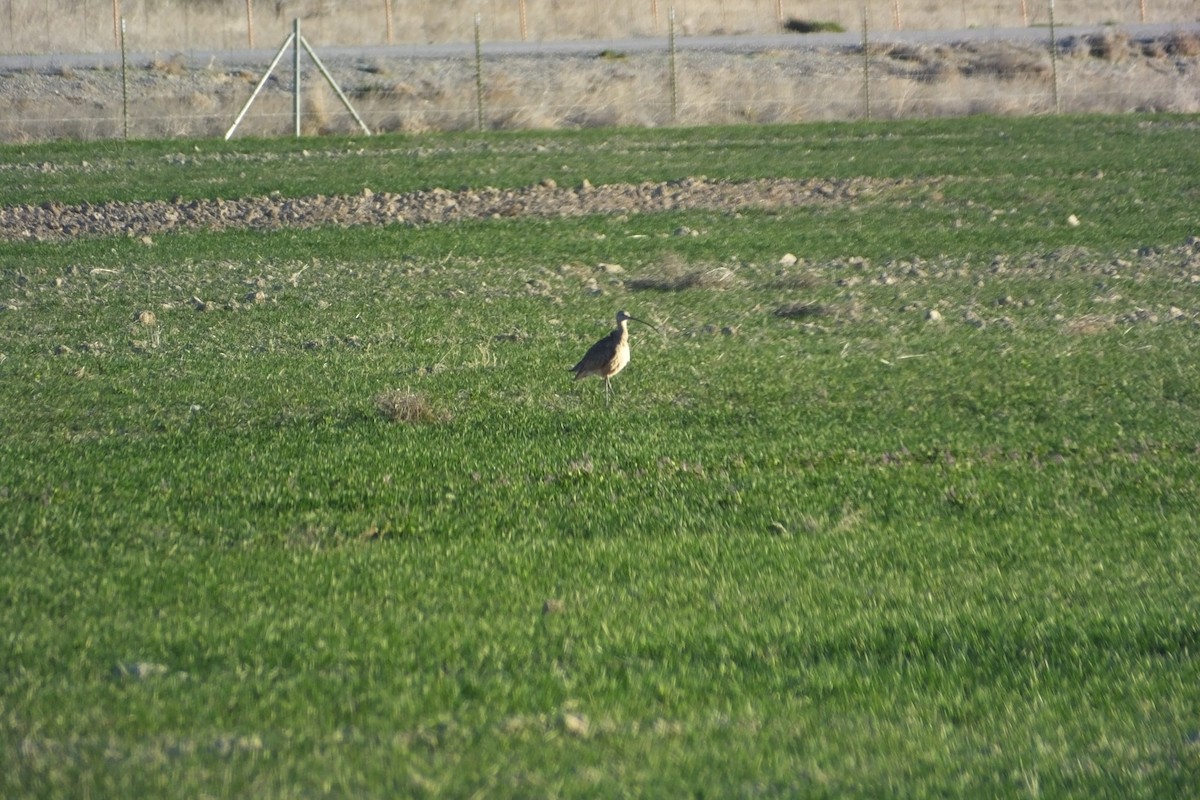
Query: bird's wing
{"x": 599, "y": 353}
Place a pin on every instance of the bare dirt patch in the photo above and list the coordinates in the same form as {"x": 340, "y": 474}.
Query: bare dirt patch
{"x": 51, "y": 221}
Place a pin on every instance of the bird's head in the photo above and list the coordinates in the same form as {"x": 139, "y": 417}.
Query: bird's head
{"x": 623, "y": 315}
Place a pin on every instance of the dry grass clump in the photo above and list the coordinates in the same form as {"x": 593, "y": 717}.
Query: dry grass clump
{"x": 1111, "y": 45}
{"x": 168, "y": 66}
{"x": 1008, "y": 62}
{"x": 676, "y": 275}
{"x": 802, "y": 310}
{"x": 1182, "y": 43}
{"x": 1088, "y": 325}
{"x": 401, "y": 405}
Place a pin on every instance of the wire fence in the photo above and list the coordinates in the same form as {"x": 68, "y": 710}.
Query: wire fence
{"x": 88, "y": 26}
{"x": 190, "y": 95}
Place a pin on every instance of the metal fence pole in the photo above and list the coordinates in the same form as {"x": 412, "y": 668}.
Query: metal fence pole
{"x": 124, "y": 85}
{"x": 291, "y": 40}
{"x": 296, "y": 72}
{"x": 478, "y": 78}
{"x": 866, "y": 48}
{"x": 1054, "y": 60}
{"x": 673, "y": 77}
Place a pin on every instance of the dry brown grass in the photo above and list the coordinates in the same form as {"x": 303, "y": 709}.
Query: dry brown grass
{"x": 50, "y": 26}
{"x": 175, "y": 98}
{"x": 1183, "y": 44}
{"x": 1088, "y": 325}
{"x": 676, "y": 275}
{"x": 802, "y": 310}
{"x": 168, "y": 66}
{"x": 401, "y": 405}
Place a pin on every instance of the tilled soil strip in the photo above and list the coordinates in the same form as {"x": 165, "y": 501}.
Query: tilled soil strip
{"x": 56, "y": 221}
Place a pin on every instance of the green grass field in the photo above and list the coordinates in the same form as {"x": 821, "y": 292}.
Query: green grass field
{"x": 819, "y": 545}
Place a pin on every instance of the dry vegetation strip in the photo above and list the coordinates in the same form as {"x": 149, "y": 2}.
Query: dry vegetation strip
{"x": 1106, "y": 72}
{"x": 71, "y": 26}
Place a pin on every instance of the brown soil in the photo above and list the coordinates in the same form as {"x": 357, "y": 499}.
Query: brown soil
{"x": 50, "y": 221}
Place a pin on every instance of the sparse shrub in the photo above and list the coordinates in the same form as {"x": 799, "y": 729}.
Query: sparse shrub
{"x": 1111, "y": 45}
{"x": 811, "y": 26}
{"x": 1183, "y": 43}
{"x": 1008, "y": 63}
{"x": 168, "y": 66}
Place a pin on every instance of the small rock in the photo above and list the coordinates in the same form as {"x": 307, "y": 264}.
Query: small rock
{"x": 933, "y": 315}
{"x": 788, "y": 260}
{"x": 1073, "y": 221}
{"x": 146, "y": 318}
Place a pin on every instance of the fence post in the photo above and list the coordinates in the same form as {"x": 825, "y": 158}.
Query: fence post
{"x": 866, "y": 48}
{"x": 1142, "y": 9}
{"x": 116, "y": 21}
{"x": 654, "y": 14}
{"x": 387, "y": 16}
{"x": 478, "y": 78}
{"x": 124, "y": 85}
{"x": 896, "y": 14}
{"x": 1024, "y": 15}
{"x": 524, "y": 24}
{"x": 1054, "y": 60}
{"x": 671, "y": 57}
{"x": 250, "y": 23}
{"x": 296, "y": 72}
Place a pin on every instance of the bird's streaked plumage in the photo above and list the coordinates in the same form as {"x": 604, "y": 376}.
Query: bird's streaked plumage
{"x": 608, "y": 356}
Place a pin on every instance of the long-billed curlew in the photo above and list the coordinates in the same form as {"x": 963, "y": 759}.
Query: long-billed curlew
{"x": 608, "y": 356}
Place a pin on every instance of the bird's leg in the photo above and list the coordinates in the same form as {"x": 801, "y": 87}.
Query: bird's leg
{"x": 606, "y": 391}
